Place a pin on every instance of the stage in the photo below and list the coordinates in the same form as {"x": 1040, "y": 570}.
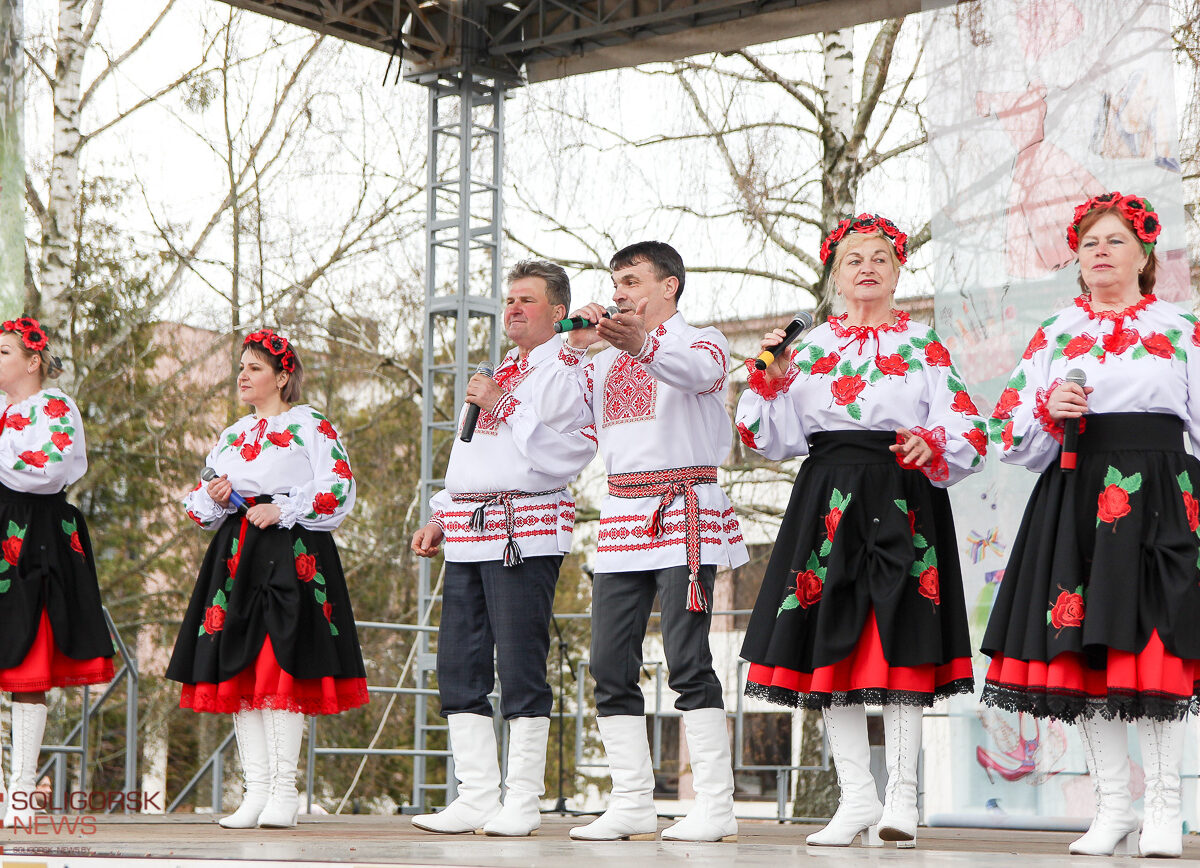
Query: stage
{"x": 180, "y": 839}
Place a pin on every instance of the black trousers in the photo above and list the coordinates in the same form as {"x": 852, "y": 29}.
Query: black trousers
{"x": 486, "y": 606}
{"x": 621, "y": 604}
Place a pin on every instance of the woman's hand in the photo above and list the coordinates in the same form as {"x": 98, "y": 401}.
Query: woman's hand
{"x": 263, "y": 515}
{"x": 778, "y": 369}
{"x": 219, "y": 490}
{"x": 914, "y": 451}
{"x": 1068, "y": 401}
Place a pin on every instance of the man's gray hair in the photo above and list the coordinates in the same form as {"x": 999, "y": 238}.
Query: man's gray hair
{"x": 558, "y": 285}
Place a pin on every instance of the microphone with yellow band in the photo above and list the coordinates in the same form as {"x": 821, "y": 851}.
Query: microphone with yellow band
{"x": 800, "y": 323}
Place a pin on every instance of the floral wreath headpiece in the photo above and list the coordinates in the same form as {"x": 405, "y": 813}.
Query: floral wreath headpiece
{"x": 1135, "y": 209}
{"x": 866, "y": 224}
{"x": 33, "y": 336}
{"x": 276, "y": 345}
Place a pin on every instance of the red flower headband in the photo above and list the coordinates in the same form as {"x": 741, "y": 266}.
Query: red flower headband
{"x": 1136, "y": 210}
{"x": 276, "y": 345}
{"x": 865, "y": 224}
{"x": 30, "y": 330}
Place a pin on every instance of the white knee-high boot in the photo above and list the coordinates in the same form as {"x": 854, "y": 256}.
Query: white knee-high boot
{"x": 473, "y": 743}
{"x": 858, "y": 805}
{"x": 1162, "y": 755}
{"x": 711, "y": 819}
{"x": 631, "y": 814}
{"x": 902, "y": 732}
{"x": 284, "y": 731}
{"x": 1106, "y": 749}
{"x": 256, "y": 771}
{"x": 28, "y": 726}
{"x": 525, "y": 780}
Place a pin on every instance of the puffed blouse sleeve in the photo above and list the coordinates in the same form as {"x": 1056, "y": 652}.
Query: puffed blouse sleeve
{"x": 1021, "y": 425}
{"x": 201, "y": 508}
{"x": 42, "y": 450}
{"x": 768, "y": 415}
{"x": 564, "y": 404}
{"x": 953, "y": 428}
{"x": 324, "y": 501}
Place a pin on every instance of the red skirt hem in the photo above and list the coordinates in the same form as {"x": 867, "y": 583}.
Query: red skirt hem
{"x": 45, "y": 666}
{"x": 264, "y": 684}
{"x": 863, "y": 675}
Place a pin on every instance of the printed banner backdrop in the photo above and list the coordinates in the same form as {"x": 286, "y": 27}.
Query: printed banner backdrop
{"x": 1033, "y": 107}
{"x": 12, "y": 160}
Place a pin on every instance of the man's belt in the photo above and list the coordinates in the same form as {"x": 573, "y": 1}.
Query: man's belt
{"x": 668, "y": 485}
{"x": 512, "y": 551}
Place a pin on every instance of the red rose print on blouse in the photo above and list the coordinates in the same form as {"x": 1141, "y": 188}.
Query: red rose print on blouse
{"x": 928, "y": 585}
{"x": 56, "y": 408}
{"x": 978, "y": 439}
{"x": 825, "y": 364}
{"x": 964, "y": 404}
{"x": 60, "y": 439}
{"x": 1038, "y": 342}
{"x": 937, "y": 355}
{"x": 214, "y": 619}
{"x": 17, "y": 422}
{"x": 1158, "y": 345}
{"x": 1113, "y": 504}
{"x": 747, "y": 435}
{"x": 893, "y": 365}
{"x": 35, "y": 459}
{"x": 1196, "y": 335}
{"x": 808, "y": 588}
{"x": 1010, "y": 399}
{"x": 1006, "y": 436}
{"x": 847, "y": 389}
{"x": 327, "y": 429}
{"x": 251, "y": 451}
{"x": 831, "y": 523}
{"x": 1079, "y": 346}
{"x": 280, "y": 438}
{"x": 325, "y": 503}
{"x": 1119, "y": 341}
{"x": 306, "y": 567}
{"x": 1067, "y": 610}
{"x": 241, "y": 438}
{"x": 342, "y": 469}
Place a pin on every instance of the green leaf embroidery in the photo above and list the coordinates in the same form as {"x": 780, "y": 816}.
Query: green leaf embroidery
{"x": 902, "y": 504}
{"x": 14, "y": 529}
{"x": 220, "y": 599}
{"x": 1018, "y": 381}
{"x": 855, "y": 411}
{"x": 333, "y": 631}
{"x": 1113, "y": 477}
{"x": 54, "y": 457}
{"x": 955, "y": 385}
{"x": 1132, "y": 484}
{"x": 875, "y": 376}
{"x": 919, "y": 541}
{"x": 789, "y": 602}
{"x": 813, "y": 563}
{"x": 826, "y": 548}
{"x": 1185, "y": 482}
{"x": 1140, "y": 352}
{"x": 905, "y": 352}
{"x": 298, "y": 548}
{"x": 319, "y": 579}
{"x": 319, "y": 596}
{"x": 844, "y": 369}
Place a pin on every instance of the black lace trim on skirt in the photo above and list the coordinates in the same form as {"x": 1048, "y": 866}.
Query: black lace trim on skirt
{"x": 1070, "y": 707}
{"x": 866, "y": 696}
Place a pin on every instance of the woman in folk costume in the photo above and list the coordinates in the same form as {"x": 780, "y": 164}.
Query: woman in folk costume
{"x": 862, "y": 599}
{"x": 1095, "y": 621}
{"x": 50, "y": 613}
{"x": 269, "y": 635}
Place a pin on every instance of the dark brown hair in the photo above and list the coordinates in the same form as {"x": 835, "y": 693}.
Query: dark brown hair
{"x": 1146, "y": 276}
{"x": 291, "y": 393}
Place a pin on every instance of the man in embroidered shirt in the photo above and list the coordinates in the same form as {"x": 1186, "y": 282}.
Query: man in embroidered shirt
{"x": 506, "y": 518}
{"x": 657, "y": 399}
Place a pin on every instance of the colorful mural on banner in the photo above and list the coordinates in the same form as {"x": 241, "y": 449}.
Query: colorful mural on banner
{"x": 12, "y": 160}
{"x": 1033, "y": 106}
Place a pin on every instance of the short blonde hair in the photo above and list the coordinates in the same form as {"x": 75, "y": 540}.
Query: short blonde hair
{"x": 850, "y": 243}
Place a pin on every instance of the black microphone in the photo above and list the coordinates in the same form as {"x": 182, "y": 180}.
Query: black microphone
{"x": 581, "y": 322}
{"x": 208, "y": 475}
{"x": 472, "y": 417}
{"x": 1070, "y": 444}
{"x": 800, "y": 323}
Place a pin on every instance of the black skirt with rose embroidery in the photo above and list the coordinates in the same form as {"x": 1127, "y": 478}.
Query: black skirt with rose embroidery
{"x": 278, "y": 593}
{"x": 862, "y": 599}
{"x": 1098, "y": 607}
{"x": 47, "y": 564}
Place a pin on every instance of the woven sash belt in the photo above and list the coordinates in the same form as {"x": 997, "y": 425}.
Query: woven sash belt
{"x": 512, "y": 551}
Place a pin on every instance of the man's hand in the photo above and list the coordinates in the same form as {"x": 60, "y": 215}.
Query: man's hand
{"x": 583, "y": 338}
{"x": 427, "y": 542}
{"x": 1068, "y": 401}
{"x": 626, "y": 331}
{"x": 483, "y": 392}
{"x": 914, "y": 451}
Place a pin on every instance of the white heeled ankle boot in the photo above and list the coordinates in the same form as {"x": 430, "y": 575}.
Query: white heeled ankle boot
{"x": 1106, "y": 749}
{"x": 858, "y": 805}
{"x": 256, "y": 771}
{"x": 711, "y": 819}
{"x": 284, "y": 731}
{"x": 525, "y": 780}
{"x": 1162, "y": 755}
{"x": 631, "y": 815}
{"x": 902, "y": 734}
{"x": 473, "y": 744}
{"x": 28, "y": 726}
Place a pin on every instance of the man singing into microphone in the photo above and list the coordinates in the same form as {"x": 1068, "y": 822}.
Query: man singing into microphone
{"x": 657, "y": 399}
{"x": 506, "y": 518}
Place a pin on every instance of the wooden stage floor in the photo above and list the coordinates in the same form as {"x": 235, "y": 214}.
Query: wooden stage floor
{"x": 376, "y": 840}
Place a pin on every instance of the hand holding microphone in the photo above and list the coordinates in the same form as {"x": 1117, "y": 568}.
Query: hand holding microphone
{"x": 800, "y": 323}
{"x": 221, "y": 483}
{"x": 583, "y": 332}
{"x": 472, "y": 417}
{"x": 572, "y": 323}
{"x": 1071, "y": 404}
